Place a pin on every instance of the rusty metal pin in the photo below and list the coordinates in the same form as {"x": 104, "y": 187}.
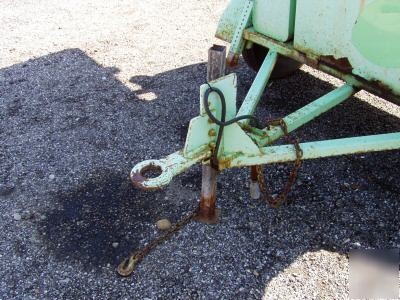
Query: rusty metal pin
{"x": 255, "y": 192}
{"x": 207, "y": 213}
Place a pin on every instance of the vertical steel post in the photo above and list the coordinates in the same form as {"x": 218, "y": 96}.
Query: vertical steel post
{"x": 255, "y": 192}
{"x": 207, "y": 212}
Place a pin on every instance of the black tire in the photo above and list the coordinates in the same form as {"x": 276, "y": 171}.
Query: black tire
{"x": 284, "y": 67}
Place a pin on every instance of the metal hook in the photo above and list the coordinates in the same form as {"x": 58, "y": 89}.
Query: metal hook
{"x": 127, "y": 266}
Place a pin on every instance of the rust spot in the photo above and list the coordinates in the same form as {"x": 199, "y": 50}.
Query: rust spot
{"x": 232, "y": 60}
{"x": 312, "y": 62}
{"x": 207, "y": 213}
{"x": 212, "y": 132}
{"x": 380, "y": 89}
{"x": 341, "y": 64}
{"x": 224, "y": 163}
{"x": 382, "y": 86}
{"x": 139, "y": 178}
{"x": 253, "y": 173}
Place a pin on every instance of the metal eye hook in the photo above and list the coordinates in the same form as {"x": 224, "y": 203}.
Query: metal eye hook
{"x": 127, "y": 266}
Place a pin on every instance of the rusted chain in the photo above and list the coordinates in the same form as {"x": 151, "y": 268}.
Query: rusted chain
{"x": 128, "y": 265}
{"x": 282, "y": 196}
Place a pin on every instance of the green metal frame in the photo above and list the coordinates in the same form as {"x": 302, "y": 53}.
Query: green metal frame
{"x": 237, "y": 42}
{"x": 320, "y": 63}
{"x": 243, "y": 145}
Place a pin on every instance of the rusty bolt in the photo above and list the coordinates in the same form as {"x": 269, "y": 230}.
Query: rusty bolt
{"x": 212, "y": 132}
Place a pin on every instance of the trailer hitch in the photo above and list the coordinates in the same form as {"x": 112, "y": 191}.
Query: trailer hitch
{"x": 241, "y": 145}
{"x": 166, "y": 168}
{"x": 201, "y": 138}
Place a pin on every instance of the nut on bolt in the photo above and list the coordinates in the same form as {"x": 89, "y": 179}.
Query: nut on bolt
{"x": 212, "y": 132}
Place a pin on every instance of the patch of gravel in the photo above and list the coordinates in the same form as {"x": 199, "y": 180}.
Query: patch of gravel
{"x": 89, "y": 88}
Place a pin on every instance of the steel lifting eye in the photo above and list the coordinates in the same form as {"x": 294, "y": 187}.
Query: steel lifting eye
{"x": 150, "y": 174}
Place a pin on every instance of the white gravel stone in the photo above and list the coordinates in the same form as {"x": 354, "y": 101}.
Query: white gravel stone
{"x": 163, "y": 224}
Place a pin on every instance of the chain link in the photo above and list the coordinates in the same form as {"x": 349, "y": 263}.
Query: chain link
{"x": 281, "y": 198}
{"x": 127, "y": 266}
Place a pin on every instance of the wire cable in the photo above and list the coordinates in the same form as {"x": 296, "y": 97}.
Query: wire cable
{"x": 221, "y": 123}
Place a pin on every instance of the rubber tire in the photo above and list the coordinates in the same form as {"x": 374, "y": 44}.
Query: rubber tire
{"x": 284, "y": 67}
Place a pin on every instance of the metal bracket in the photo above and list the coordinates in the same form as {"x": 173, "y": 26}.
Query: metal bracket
{"x": 237, "y": 42}
{"x": 200, "y": 140}
{"x": 202, "y": 132}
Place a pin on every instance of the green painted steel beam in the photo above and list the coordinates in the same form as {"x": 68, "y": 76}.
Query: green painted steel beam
{"x": 312, "y": 150}
{"x": 257, "y": 88}
{"x": 237, "y": 42}
{"x": 308, "y": 113}
{"x": 287, "y": 49}
{"x": 229, "y": 20}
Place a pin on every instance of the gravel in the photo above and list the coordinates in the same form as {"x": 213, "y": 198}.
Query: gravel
{"x": 17, "y": 217}
{"x": 89, "y": 88}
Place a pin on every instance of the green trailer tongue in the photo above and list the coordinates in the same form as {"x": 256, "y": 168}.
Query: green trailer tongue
{"x": 357, "y": 41}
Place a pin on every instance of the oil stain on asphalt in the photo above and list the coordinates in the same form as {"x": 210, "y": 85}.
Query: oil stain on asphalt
{"x": 99, "y": 222}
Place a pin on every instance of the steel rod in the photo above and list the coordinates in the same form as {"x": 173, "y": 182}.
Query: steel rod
{"x": 319, "y": 149}
{"x": 308, "y": 113}
{"x": 257, "y": 88}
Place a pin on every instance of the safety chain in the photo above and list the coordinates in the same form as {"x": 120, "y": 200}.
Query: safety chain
{"x": 127, "y": 266}
{"x": 281, "y": 198}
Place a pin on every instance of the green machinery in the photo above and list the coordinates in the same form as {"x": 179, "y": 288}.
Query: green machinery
{"x": 357, "y": 41}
